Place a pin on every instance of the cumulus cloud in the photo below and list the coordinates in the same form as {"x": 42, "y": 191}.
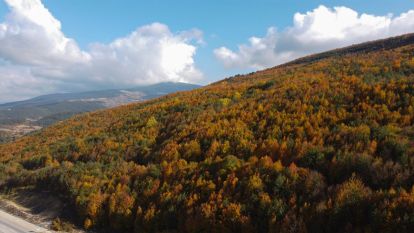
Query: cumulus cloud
{"x": 30, "y": 35}
{"x": 150, "y": 54}
{"x": 320, "y": 29}
{"x": 36, "y": 57}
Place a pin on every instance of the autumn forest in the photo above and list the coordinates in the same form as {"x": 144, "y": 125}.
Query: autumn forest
{"x": 323, "y": 144}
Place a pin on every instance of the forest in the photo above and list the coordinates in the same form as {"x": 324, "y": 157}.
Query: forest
{"x": 320, "y": 146}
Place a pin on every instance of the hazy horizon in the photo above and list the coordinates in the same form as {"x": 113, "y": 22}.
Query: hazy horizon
{"x": 71, "y": 46}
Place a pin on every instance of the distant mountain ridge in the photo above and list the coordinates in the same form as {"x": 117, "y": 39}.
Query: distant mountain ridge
{"x": 47, "y": 109}
{"x": 150, "y": 91}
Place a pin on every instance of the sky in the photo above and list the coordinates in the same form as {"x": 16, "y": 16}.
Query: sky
{"x": 51, "y": 46}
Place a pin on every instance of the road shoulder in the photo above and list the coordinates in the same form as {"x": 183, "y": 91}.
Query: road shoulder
{"x": 13, "y": 224}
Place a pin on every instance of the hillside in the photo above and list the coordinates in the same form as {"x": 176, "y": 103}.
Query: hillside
{"x": 322, "y": 145}
{"x": 19, "y": 118}
{"x": 372, "y": 46}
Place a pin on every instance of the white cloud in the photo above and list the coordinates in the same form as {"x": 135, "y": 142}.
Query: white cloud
{"x": 37, "y": 58}
{"x": 32, "y": 36}
{"x": 20, "y": 82}
{"x": 315, "y": 31}
{"x": 148, "y": 55}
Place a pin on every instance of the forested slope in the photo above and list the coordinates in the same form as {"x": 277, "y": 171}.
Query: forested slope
{"x": 326, "y": 146}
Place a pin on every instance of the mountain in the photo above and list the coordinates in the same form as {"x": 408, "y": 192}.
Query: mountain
{"x": 321, "y": 144}
{"x": 372, "y": 46}
{"x": 19, "y": 118}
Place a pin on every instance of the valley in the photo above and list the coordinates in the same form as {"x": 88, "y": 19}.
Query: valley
{"x": 11, "y": 132}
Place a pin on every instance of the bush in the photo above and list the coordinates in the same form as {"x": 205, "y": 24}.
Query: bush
{"x": 60, "y": 225}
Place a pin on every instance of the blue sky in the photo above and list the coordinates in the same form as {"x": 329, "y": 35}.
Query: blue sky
{"x": 224, "y": 22}
{"x": 230, "y": 20}
{"x": 225, "y": 25}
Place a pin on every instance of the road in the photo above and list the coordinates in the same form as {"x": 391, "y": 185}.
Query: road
{"x": 12, "y": 224}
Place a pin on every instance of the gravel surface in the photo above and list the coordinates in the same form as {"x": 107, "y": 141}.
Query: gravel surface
{"x": 13, "y": 224}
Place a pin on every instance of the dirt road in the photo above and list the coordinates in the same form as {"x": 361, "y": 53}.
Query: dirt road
{"x": 12, "y": 224}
